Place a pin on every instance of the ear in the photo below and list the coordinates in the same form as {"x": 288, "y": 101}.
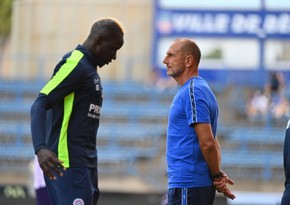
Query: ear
{"x": 98, "y": 41}
{"x": 188, "y": 61}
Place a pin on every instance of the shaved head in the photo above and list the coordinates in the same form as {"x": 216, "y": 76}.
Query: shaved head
{"x": 106, "y": 27}
{"x": 106, "y": 37}
{"x": 188, "y": 47}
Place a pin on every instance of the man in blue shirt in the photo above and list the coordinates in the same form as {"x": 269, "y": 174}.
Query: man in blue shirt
{"x": 74, "y": 96}
{"x": 193, "y": 152}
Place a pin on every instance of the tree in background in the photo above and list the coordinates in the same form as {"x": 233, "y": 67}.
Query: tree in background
{"x": 5, "y": 21}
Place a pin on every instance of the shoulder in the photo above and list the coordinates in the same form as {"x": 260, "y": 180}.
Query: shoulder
{"x": 198, "y": 84}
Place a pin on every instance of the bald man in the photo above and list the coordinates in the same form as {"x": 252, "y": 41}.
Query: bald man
{"x": 193, "y": 152}
{"x": 74, "y": 97}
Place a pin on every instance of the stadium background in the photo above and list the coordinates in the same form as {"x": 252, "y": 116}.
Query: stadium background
{"x": 137, "y": 95}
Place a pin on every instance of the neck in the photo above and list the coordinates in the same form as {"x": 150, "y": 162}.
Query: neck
{"x": 182, "y": 80}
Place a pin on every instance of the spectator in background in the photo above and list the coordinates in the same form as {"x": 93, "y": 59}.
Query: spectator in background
{"x": 193, "y": 151}
{"x": 257, "y": 107}
{"x": 281, "y": 109}
{"x": 278, "y": 106}
{"x": 41, "y": 193}
{"x": 286, "y": 195}
{"x": 275, "y": 86}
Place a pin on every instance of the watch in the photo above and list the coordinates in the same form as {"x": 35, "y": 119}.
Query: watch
{"x": 217, "y": 176}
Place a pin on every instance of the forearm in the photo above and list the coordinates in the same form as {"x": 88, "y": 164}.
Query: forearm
{"x": 208, "y": 147}
{"x": 218, "y": 147}
{"x": 212, "y": 158}
{"x": 38, "y": 121}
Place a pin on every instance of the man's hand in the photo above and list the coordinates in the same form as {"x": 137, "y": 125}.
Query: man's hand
{"x": 49, "y": 163}
{"x": 229, "y": 194}
{"x": 221, "y": 185}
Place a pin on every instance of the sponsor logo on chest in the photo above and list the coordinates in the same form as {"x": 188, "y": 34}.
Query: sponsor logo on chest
{"x": 94, "y": 111}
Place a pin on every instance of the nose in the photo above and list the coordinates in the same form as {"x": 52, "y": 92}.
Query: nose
{"x": 165, "y": 61}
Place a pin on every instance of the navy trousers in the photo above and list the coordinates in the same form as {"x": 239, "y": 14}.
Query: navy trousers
{"x": 191, "y": 196}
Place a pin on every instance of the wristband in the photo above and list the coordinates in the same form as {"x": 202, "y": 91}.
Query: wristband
{"x": 217, "y": 176}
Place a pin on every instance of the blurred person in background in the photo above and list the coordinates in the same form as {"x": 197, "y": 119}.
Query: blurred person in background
{"x": 41, "y": 192}
{"x": 278, "y": 105}
{"x": 74, "y": 96}
{"x": 286, "y": 195}
{"x": 257, "y": 107}
{"x": 274, "y": 88}
{"x": 281, "y": 109}
{"x": 193, "y": 151}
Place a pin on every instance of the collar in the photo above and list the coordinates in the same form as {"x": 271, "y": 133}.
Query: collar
{"x": 91, "y": 58}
